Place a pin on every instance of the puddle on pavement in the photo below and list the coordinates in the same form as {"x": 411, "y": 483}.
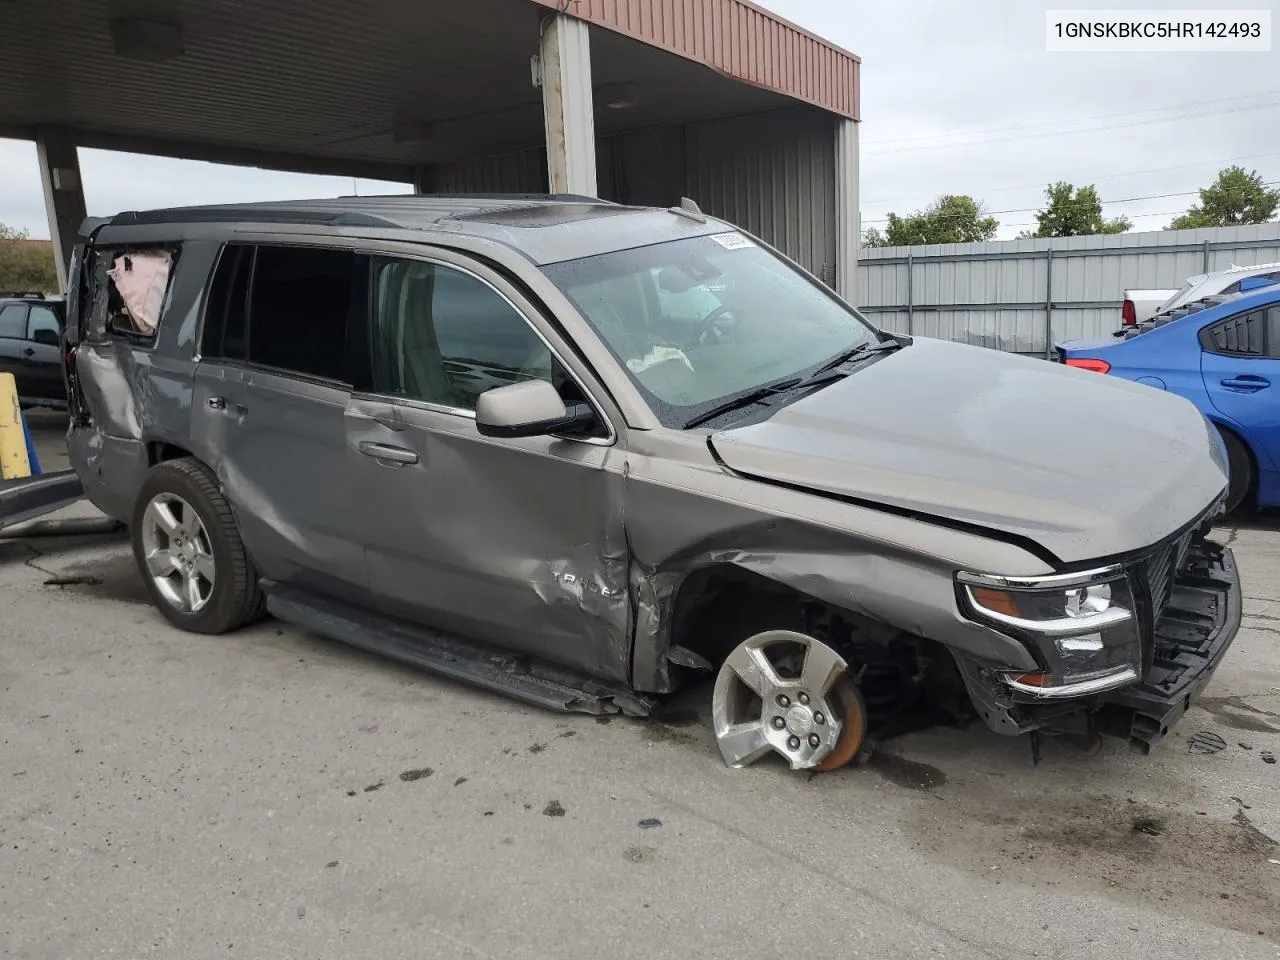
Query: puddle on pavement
{"x": 1237, "y": 713}
{"x": 113, "y": 577}
{"x": 1166, "y": 858}
{"x": 906, "y": 773}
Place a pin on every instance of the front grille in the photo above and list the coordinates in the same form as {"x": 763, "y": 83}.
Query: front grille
{"x": 1159, "y": 570}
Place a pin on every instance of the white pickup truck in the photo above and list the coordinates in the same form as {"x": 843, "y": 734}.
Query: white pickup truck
{"x": 1142, "y": 305}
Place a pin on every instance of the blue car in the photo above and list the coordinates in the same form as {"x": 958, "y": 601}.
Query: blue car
{"x": 1221, "y": 353}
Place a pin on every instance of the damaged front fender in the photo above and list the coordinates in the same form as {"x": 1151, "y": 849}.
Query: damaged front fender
{"x": 889, "y": 569}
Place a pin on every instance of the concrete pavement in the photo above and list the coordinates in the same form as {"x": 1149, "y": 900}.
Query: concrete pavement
{"x": 274, "y": 794}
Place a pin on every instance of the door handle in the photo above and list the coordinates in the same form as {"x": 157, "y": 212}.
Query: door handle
{"x": 220, "y": 403}
{"x": 387, "y": 453}
{"x": 1246, "y": 382}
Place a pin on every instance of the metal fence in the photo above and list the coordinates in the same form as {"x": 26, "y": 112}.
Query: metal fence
{"x": 1024, "y": 295}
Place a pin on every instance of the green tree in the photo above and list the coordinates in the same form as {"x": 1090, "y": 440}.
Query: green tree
{"x": 1235, "y": 197}
{"x": 952, "y": 218}
{"x": 26, "y": 264}
{"x": 1073, "y": 212}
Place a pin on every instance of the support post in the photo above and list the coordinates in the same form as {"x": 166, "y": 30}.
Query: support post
{"x": 911, "y": 295}
{"x": 1048, "y": 304}
{"x": 63, "y": 193}
{"x": 567, "y": 106}
{"x": 848, "y": 218}
{"x": 1206, "y": 257}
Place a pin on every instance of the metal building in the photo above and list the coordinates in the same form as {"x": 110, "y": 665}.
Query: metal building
{"x": 638, "y": 101}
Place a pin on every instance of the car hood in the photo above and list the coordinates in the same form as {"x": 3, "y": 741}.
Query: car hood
{"x": 1086, "y": 466}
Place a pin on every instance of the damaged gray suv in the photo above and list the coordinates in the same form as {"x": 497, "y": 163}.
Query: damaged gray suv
{"x": 584, "y": 454}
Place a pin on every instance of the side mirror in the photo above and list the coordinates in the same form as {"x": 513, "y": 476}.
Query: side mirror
{"x": 531, "y": 408}
{"x": 46, "y": 336}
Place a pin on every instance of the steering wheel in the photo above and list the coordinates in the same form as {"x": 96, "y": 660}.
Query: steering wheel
{"x": 707, "y": 325}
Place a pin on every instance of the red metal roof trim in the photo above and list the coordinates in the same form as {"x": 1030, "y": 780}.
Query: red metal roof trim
{"x": 738, "y": 39}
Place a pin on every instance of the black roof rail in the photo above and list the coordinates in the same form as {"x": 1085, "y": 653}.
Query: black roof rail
{"x": 249, "y": 215}
{"x": 547, "y": 197}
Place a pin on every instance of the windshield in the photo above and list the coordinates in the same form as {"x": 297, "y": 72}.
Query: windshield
{"x": 695, "y": 322}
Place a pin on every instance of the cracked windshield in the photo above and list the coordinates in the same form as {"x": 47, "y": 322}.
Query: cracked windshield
{"x": 698, "y": 321}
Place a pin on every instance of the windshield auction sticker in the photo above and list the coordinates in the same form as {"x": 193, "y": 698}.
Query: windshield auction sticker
{"x": 1157, "y": 31}
{"x": 732, "y": 241}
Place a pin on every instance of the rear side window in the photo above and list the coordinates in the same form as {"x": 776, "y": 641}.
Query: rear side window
{"x": 13, "y": 321}
{"x": 299, "y": 302}
{"x": 283, "y": 307}
{"x": 1253, "y": 334}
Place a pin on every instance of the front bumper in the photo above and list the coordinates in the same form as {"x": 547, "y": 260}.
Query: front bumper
{"x": 1196, "y": 626}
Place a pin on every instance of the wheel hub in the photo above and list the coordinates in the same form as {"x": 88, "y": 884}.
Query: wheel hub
{"x": 799, "y": 720}
{"x": 177, "y": 553}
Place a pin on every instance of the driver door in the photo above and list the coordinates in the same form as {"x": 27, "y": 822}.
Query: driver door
{"x": 514, "y": 542}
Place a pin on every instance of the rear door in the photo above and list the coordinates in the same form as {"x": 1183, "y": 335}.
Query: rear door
{"x": 269, "y": 408}
{"x": 44, "y": 365}
{"x": 13, "y": 343}
{"x": 1240, "y": 363}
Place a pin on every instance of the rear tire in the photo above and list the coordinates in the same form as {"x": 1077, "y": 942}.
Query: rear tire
{"x": 1240, "y": 466}
{"x": 179, "y": 583}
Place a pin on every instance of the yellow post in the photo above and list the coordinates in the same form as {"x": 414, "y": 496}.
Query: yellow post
{"x": 14, "y": 462}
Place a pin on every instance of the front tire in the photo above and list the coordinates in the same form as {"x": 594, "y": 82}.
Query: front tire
{"x": 189, "y": 551}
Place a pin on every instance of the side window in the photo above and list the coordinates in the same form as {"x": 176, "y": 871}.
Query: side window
{"x": 138, "y": 291}
{"x": 13, "y": 321}
{"x": 226, "y": 311}
{"x": 299, "y": 304}
{"x": 1239, "y": 336}
{"x": 1273, "y": 332}
{"x": 42, "y": 325}
{"x": 444, "y": 336}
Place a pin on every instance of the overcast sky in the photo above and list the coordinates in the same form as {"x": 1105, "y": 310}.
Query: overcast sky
{"x": 958, "y": 96}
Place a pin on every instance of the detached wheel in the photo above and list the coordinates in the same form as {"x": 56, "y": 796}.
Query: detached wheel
{"x": 1241, "y": 469}
{"x": 189, "y": 551}
{"x": 788, "y": 693}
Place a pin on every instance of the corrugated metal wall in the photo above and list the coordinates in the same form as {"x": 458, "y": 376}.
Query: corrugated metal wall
{"x": 522, "y": 172}
{"x": 771, "y": 173}
{"x": 998, "y": 294}
{"x": 738, "y": 39}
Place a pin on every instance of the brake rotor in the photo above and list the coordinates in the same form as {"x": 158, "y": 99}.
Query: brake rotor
{"x": 852, "y": 711}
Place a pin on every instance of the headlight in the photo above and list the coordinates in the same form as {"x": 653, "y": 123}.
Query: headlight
{"x": 1080, "y": 625}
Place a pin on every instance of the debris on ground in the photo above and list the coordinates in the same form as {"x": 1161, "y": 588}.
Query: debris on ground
{"x": 411, "y": 775}
{"x": 369, "y": 728}
{"x": 1206, "y": 742}
{"x": 331, "y": 863}
{"x": 1268, "y": 756}
{"x": 1148, "y": 825}
{"x": 648, "y": 823}
{"x": 374, "y": 786}
{"x": 460, "y": 781}
{"x": 76, "y": 580}
{"x": 553, "y": 809}
{"x": 537, "y": 748}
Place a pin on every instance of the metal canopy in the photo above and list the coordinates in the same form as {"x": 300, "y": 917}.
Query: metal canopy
{"x": 376, "y": 89}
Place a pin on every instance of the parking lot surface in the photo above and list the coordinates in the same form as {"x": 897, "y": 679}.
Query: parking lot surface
{"x": 271, "y": 793}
